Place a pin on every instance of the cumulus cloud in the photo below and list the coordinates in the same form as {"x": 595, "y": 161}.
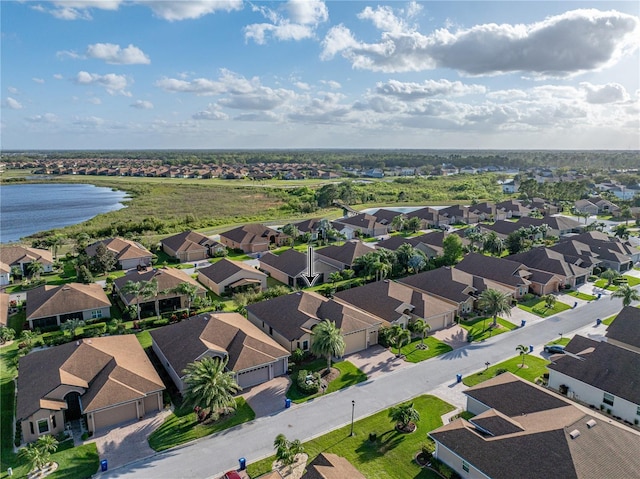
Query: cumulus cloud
{"x": 114, "y": 54}
{"x": 58, "y": 76}
{"x": 45, "y": 118}
{"x": 12, "y": 104}
{"x": 265, "y": 116}
{"x": 114, "y": 84}
{"x": 427, "y": 89}
{"x": 211, "y": 113}
{"x": 80, "y": 9}
{"x": 13, "y": 90}
{"x": 561, "y": 45}
{"x": 334, "y": 85}
{"x": 301, "y": 22}
{"x": 609, "y": 93}
{"x": 38, "y": 80}
{"x": 142, "y": 105}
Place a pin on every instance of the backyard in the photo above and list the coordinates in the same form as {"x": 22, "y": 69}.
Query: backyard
{"x": 389, "y": 455}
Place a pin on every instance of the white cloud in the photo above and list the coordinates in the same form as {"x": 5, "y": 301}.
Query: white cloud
{"x": 111, "y": 82}
{"x": 114, "y": 54}
{"x": 610, "y": 93}
{"x": 211, "y": 113}
{"x": 189, "y": 9}
{"x": 95, "y": 100}
{"x": 38, "y": 80}
{"x": 58, "y": 76}
{"x": 68, "y": 54}
{"x": 265, "y": 116}
{"x": 45, "y": 118}
{"x": 12, "y": 104}
{"x": 334, "y": 85}
{"x": 427, "y": 89}
{"x": 142, "y": 105}
{"x": 13, "y": 90}
{"x": 561, "y": 45}
{"x": 303, "y": 18}
{"x": 302, "y": 85}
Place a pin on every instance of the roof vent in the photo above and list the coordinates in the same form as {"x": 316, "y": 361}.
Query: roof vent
{"x": 77, "y": 343}
{"x": 575, "y": 433}
{"x": 591, "y": 423}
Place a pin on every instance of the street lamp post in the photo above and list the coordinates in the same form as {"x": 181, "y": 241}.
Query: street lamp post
{"x": 353, "y": 408}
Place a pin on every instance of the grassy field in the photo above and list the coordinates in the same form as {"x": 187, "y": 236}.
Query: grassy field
{"x": 349, "y": 375}
{"x": 538, "y": 307}
{"x": 480, "y": 328}
{"x": 534, "y": 368}
{"x": 434, "y": 348}
{"x": 389, "y": 456}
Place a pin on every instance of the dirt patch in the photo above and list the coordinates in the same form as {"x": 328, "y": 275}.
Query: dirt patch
{"x": 328, "y": 376}
{"x": 408, "y": 429}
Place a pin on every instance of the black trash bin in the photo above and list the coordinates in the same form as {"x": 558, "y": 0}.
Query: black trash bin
{"x": 104, "y": 465}
{"x": 243, "y": 463}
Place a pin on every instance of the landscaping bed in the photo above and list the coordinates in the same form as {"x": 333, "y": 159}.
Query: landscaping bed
{"x": 345, "y": 375}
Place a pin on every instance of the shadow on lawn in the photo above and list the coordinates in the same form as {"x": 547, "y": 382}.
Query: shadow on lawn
{"x": 369, "y": 450}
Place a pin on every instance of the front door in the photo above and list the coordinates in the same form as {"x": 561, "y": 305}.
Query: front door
{"x": 73, "y": 411}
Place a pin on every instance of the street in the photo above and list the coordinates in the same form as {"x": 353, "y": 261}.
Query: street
{"x": 211, "y": 456}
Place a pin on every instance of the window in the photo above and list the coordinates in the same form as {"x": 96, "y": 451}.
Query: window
{"x": 96, "y": 314}
{"x": 638, "y": 411}
{"x": 270, "y": 331}
{"x": 305, "y": 345}
{"x": 53, "y": 422}
{"x": 43, "y": 426}
{"x": 31, "y": 427}
{"x": 608, "y": 399}
{"x": 465, "y": 466}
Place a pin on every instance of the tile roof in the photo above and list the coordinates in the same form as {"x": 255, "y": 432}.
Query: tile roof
{"x": 50, "y": 300}
{"x": 226, "y": 268}
{"x": 626, "y": 327}
{"x": 231, "y": 333}
{"x": 112, "y": 370}
{"x": 604, "y": 366}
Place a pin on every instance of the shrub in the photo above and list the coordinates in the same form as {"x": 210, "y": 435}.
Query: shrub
{"x": 384, "y": 338}
{"x": 54, "y": 338}
{"x": 308, "y": 388}
{"x": 93, "y": 330}
{"x": 428, "y": 448}
{"x": 500, "y": 371}
{"x": 527, "y": 297}
{"x": 297, "y": 356}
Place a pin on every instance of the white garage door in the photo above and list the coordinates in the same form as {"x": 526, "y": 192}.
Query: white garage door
{"x": 254, "y": 376}
{"x": 116, "y": 415}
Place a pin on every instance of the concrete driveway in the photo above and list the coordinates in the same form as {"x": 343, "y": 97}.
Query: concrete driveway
{"x": 376, "y": 361}
{"x": 267, "y": 398}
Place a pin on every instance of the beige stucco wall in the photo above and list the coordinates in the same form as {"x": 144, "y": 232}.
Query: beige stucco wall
{"x": 275, "y": 273}
{"x": 49, "y": 416}
{"x": 106, "y": 313}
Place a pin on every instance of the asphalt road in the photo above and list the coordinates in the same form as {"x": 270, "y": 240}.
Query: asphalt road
{"x": 211, "y": 456}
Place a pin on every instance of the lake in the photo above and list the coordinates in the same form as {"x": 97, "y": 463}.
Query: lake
{"x": 26, "y": 209}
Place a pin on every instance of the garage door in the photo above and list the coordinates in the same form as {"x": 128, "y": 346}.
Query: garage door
{"x": 253, "y": 377}
{"x": 355, "y": 342}
{"x": 116, "y": 415}
{"x": 151, "y": 404}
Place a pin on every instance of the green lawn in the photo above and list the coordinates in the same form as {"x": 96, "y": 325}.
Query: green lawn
{"x": 390, "y": 455}
{"x": 435, "y": 348}
{"x": 144, "y": 338}
{"x": 583, "y": 296}
{"x": 632, "y": 280}
{"x": 538, "y": 307}
{"x": 609, "y": 320}
{"x": 349, "y": 375}
{"x": 535, "y": 367}
{"x": 562, "y": 341}
{"x": 601, "y": 283}
{"x": 480, "y": 328}
{"x": 182, "y": 426}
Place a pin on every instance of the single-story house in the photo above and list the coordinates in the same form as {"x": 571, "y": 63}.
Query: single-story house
{"x": 520, "y": 429}
{"x": 23, "y": 256}
{"x": 428, "y": 217}
{"x": 586, "y": 206}
{"x": 129, "y": 254}
{"x": 252, "y": 355}
{"x": 343, "y": 256}
{"x": 600, "y": 374}
{"x": 363, "y": 224}
{"x": 314, "y": 227}
{"x": 253, "y": 238}
{"x": 611, "y": 252}
{"x": 53, "y": 305}
{"x": 291, "y": 266}
{"x": 457, "y": 214}
{"x": 290, "y": 320}
{"x": 227, "y": 276}
{"x": 5, "y": 274}
{"x": 501, "y": 228}
{"x": 331, "y": 466}
{"x": 397, "y": 303}
{"x": 191, "y": 246}
{"x": 107, "y": 381}
{"x": 167, "y": 279}
{"x": 513, "y": 208}
{"x": 498, "y": 273}
{"x": 624, "y": 331}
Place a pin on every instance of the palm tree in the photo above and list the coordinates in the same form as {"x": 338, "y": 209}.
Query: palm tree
{"x": 492, "y": 243}
{"x": 522, "y": 351}
{"x": 398, "y": 222}
{"x": 609, "y": 275}
{"x": 28, "y": 337}
{"x": 335, "y": 277}
{"x": 150, "y": 291}
{"x": 421, "y": 327}
{"x": 186, "y": 289}
{"x": 398, "y": 336}
{"x": 47, "y": 443}
{"x": 627, "y": 293}
{"x": 38, "y": 454}
{"x": 417, "y": 262}
{"x": 54, "y": 243}
{"x": 327, "y": 341}
{"x": 495, "y": 302}
{"x": 136, "y": 289}
{"x": 35, "y": 268}
{"x": 549, "y": 300}
{"x": 6, "y": 334}
{"x": 286, "y": 451}
{"x": 475, "y": 237}
{"x": 72, "y": 326}
{"x": 403, "y": 415}
{"x": 207, "y": 385}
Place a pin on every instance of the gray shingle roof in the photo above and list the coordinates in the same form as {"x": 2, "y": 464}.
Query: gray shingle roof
{"x": 626, "y": 327}
{"x": 290, "y": 262}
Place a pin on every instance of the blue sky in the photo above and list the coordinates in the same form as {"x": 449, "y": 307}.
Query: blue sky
{"x": 115, "y": 74}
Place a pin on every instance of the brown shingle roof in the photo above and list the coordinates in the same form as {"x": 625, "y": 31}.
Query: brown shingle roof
{"x": 446, "y": 282}
{"x": 122, "y": 248}
{"x": 331, "y": 466}
{"x": 252, "y": 233}
{"x": 188, "y": 241}
{"x": 290, "y": 262}
{"x": 346, "y": 253}
{"x": 52, "y": 300}
{"x": 167, "y": 279}
{"x": 13, "y": 255}
{"x": 492, "y": 268}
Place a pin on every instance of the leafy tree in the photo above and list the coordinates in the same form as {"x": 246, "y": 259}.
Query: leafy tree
{"x": 398, "y": 336}
{"x": 417, "y": 262}
{"x": 287, "y": 451}
{"x": 35, "y": 269}
{"x": 16, "y": 271}
{"x": 627, "y": 293}
{"x": 451, "y": 249}
{"x": 6, "y": 334}
{"x": 403, "y": 415}
{"x": 27, "y": 337}
{"x": 625, "y": 213}
{"x": 135, "y": 288}
{"x": 82, "y": 241}
{"x": 522, "y": 351}
{"x": 621, "y": 231}
{"x": 335, "y": 277}
{"x": 413, "y": 224}
{"x": 492, "y": 243}
{"x": 550, "y": 300}
{"x": 104, "y": 260}
{"x": 327, "y": 341}
{"x": 207, "y": 385}
{"x": 347, "y": 273}
{"x": 610, "y": 275}
{"x": 55, "y": 242}
{"x": 420, "y": 327}
{"x": 84, "y": 275}
{"x": 72, "y": 326}
{"x": 495, "y": 302}
{"x": 291, "y": 230}
{"x": 186, "y": 289}
{"x": 398, "y": 222}
{"x": 515, "y": 242}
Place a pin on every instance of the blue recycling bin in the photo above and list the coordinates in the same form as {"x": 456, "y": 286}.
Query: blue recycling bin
{"x": 522, "y": 323}
{"x": 104, "y": 465}
{"x": 599, "y": 295}
{"x": 243, "y": 463}
{"x": 458, "y": 378}
{"x": 530, "y": 348}
{"x": 598, "y": 322}
{"x": 287, "y": 403}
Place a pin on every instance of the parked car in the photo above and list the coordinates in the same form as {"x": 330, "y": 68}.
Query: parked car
{"x": 231, "y": 475}
{"x": 554, "y": 349}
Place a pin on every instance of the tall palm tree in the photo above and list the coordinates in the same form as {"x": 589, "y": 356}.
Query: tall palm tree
{"x": 421, "y": 327}
{"x": 286, "y": 451}
{"x": 327, "y": 341}
{"x": 609, "y": 275}
{"x": 492, "y": 243}
{"x": 35, "y": 269}
{"x": 150, "y": 291}
{"x": 495, "y": 302}
{"x": 208, "y": 386}
{"x": 522, "y": 351}
{"x": 404, "y": 414}
{"x": 186, "y": 289}
{"x": 398, "y": 336}
{"x": 136, "y": 289}
{"x": 627, "y": 293}
{"x": 72, "y": 326}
